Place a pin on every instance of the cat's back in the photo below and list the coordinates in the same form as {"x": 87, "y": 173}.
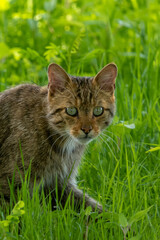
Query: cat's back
{"x": 19, "y": 94}
{"x": 21, "y": 109}
{"x": 21, "y": 99}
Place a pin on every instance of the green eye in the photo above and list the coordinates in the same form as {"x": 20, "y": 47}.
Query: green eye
{"x": 72, "y": 111}
{"x": 98, "y": 111}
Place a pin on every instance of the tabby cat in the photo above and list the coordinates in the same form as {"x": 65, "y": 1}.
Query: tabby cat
{"x": 50, "y": 126}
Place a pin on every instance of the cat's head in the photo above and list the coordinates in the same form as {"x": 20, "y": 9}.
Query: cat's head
{"x": 81, "y": 107}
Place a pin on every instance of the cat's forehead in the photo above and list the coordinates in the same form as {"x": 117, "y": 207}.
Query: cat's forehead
{"x": 84, "y": 89}
{"x": 82, "y": 81}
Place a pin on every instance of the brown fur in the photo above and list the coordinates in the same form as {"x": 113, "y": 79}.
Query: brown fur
{"x": 34, "y": 122}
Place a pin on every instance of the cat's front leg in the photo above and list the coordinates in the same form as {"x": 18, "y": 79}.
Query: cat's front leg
{"x": 79, "y": 198}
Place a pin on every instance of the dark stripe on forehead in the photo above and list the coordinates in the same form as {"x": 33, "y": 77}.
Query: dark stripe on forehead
{"x": 90, "y": 96}
{"x": 81, "y": 80}
{"x": 84, "y": 92}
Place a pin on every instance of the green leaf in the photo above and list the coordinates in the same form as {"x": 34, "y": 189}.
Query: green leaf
{"x": 123, "y": 220}
{"x": 76, "y": 43}
{"x": 122, "y": 126}
{"x": 130, "y": 126}
{"x": 12, "y": 219}
{"x": 88, "y": 210}
{"x": 138, "y": 216}
{"x": 4, "y": 223}
{"x": 126, "y": 124}
{"x": 153, "y": 149}
{"x": 19, "y": 205}
{"x": 135, "y": 238}
{"x": 111, "y": 216}
{"x": 53, "y": 53}
{"x": 17, "y": 212}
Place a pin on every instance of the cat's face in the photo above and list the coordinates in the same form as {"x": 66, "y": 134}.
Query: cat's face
{"x": 81, "y": 107}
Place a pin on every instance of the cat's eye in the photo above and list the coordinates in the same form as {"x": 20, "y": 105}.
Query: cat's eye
{"x": 72, "y": 111}
{"x": 98, "y": 111}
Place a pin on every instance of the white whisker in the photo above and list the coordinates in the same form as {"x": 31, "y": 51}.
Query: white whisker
{"x": 108, "y": 146}
{"x": 106, "y": 130}
{"x": 55, "y": 133}
{"x": 61, "y": 136}
{"x": 110, "y": 138}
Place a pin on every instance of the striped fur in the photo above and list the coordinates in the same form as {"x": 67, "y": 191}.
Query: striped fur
{"x": 34, "y": 123}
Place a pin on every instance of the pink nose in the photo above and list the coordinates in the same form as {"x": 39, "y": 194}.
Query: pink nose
{"x": 86, "y": 129}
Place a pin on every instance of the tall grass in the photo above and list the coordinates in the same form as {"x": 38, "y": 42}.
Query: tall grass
{"x": 120, "y": 168}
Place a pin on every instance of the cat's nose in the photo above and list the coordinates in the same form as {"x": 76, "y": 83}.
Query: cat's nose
{"x": 86, "y": 129}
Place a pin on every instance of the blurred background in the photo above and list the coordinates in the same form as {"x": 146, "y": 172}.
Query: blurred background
{"x": 82, "y": 36}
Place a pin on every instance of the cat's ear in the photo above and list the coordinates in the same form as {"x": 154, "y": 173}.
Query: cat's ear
{"x": 105, "y": 79}
{"x": 57, "y": 78}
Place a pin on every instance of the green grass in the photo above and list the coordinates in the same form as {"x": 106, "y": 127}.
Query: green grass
{"x": 117, "y": 169}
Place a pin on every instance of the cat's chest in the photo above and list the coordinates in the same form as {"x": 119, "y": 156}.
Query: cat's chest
{"x": 63, "y": 165}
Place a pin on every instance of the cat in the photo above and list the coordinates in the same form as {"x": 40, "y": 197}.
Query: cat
{"x": 50, "y": 126}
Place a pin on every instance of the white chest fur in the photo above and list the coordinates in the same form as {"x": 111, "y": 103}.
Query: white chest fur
{"x": 64, "y": 165}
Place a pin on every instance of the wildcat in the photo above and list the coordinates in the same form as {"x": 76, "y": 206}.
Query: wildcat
{"x": 50, "y": 126}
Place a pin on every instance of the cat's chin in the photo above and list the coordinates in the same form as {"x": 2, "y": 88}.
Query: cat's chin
{"x": 84, "y": 140}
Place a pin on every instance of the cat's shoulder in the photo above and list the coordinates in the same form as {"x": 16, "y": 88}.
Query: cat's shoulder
{"x": 23, "y": 91}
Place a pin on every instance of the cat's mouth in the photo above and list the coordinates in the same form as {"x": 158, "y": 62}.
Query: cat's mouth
{"x": 84, "y": 140}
